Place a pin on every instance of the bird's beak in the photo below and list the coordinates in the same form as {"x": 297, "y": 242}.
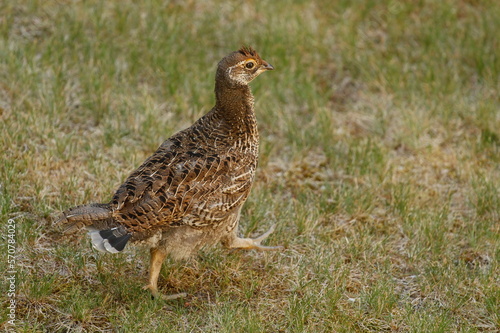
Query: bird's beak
{"x": 267, "y": 66}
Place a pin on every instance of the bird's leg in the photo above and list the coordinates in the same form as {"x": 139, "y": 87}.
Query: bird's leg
{"x": 234, "y": 242}
{"x": 157, "y": 258}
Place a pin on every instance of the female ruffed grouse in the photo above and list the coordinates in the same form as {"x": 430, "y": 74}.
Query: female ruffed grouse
{"x": 189, "y": 193}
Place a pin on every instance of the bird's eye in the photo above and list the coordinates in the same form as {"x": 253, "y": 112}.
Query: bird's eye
{"x": 250, "y": 64}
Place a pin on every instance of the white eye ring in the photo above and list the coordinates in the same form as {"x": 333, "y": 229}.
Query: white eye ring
{"x": 250, "y": 65}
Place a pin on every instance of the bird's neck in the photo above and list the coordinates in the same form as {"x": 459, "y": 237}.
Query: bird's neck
{"x": 236, "y": 106}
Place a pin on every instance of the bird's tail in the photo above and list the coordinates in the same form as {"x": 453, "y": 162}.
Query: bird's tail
{"x": 106, "y": 234}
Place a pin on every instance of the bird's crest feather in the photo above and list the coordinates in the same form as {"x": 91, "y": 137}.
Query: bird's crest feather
{"x": 248, "y": 51}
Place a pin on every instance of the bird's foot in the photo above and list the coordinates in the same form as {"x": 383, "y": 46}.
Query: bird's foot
{"x": 253, "y": 243}
{"x": 258, "y": 240}
{"x": 156, "y": 294}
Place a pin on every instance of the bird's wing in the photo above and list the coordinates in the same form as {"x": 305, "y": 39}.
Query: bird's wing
{"x": 182, "y": 186}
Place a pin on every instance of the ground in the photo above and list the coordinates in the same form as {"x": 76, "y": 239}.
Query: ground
{"x": 379, "y": 162}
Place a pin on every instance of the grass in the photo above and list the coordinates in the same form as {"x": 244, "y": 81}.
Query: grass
{"x": 379, "y": 162}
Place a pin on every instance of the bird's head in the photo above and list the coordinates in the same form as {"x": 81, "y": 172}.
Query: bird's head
{"x": 239, "y": 68}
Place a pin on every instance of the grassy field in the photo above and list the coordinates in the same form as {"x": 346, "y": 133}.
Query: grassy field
{"x": 379, "y": 162}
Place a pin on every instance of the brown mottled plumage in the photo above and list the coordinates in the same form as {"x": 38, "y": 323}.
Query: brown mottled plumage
{"x": 189, "y": 193}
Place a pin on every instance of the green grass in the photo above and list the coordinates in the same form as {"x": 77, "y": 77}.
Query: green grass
{"x": 379, "y": 162}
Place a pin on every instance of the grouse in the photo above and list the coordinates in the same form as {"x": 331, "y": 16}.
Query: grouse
{"x": 190, "y": 192}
